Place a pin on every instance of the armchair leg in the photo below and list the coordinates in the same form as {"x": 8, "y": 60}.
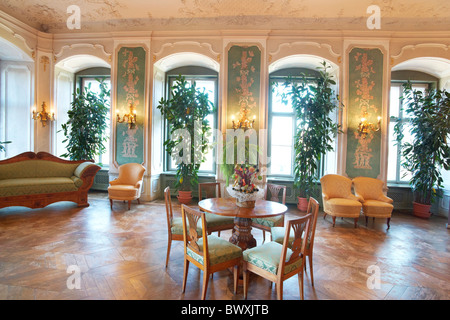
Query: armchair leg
{"x": 356, "y": 222}
{"x": 388, "y": 223}
{"x": 334, "y": 221}
{"x": 129, "y": 204}
{"x": 110, "y": 203}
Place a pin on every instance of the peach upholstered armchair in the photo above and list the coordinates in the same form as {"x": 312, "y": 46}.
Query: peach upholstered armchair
{"x": 374, "y": 203}
{"x": 128, "y": 185}
{"x": 338, "y": 199}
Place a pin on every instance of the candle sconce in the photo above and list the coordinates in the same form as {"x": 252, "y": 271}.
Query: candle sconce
{"x": 365, "y": 127}
{"x": 129, "y": 118}
{"x": 43, "y": 115}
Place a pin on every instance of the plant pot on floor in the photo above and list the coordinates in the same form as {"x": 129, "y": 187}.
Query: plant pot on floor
{"x": 302, "y": 204}
{"x": 421, "y": 210}
{"x": 184, "y": 197}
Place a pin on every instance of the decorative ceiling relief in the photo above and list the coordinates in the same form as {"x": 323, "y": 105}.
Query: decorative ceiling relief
{"x": 123, "y": 15}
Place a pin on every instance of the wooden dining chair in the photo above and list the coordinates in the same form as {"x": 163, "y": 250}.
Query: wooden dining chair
{"x": 278, "y": 234}
{"x": 174, "y": 224}
{"x": 277, "y": 262}
{"x": 265, "y": 224}
{"x": 208, "y": 252}
{"x": 215, "y": 222}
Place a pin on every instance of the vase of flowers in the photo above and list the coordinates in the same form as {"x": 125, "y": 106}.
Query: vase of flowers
{"x": 244, "y": 188}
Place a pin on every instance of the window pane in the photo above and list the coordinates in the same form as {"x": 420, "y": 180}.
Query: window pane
{"x": 282, "y": 131}
{"x": 404, "y": 174}
{"x": 281, "y": 160}
{"x": 208, "y": 165}
{"x": 277, "y": 103}
{"x": 394, "y": 101}
{"x": 102, "y": 159}
{"x": 392, "y": 158}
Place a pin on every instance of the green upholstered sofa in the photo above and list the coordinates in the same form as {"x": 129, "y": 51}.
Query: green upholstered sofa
{"x": 36, "y": 180}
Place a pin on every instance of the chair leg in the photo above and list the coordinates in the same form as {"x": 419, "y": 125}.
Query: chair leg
{"x": 185, "y": 273}
{"x": 139, "y": 202}
{"x": 235, "y": 278}
{"x": 388, "y": 223}
{"x": 334, "y": 221}
{"x": 367, "y": 220}
{"x": 218, "y": 233}
{"x": 111, "y": 203}
{"x": 311, "y": 269}
{"x": 169, "y": 245}
{"x": 279, "y": 290}
{"x": 129, "y": 204}
{"x": 324, "y": 215}
{"x": 356, "y": 222}
{"x": 205, "y": 284}
{"x": 264, "y": 236}
{"x": 300, "y": 285}
{"x": 245, "y": 279}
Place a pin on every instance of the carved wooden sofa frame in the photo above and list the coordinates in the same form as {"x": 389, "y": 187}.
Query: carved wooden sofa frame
{"x": 80, "y": 196}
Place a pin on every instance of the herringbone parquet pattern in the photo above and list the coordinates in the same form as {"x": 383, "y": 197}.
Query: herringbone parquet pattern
{"x": 121, "y": 255}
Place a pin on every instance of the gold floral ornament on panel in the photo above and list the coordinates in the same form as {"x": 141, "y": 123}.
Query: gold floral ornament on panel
{"x": 43, "y": 115}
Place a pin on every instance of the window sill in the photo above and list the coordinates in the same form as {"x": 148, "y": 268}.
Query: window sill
{"x": 200, "y": 174}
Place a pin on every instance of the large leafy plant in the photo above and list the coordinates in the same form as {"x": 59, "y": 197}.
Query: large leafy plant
{"x": 186, "y": 106}
{"x": 428, "y": 152}
{"x": 313, "y": 101}
{"x": 85, "y": 129}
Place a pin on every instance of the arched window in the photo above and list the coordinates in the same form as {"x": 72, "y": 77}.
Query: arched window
{"x": 419, "y": 81}
{"x": 205, "y": 79}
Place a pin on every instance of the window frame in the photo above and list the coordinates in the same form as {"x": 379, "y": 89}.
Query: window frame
{"x": 80, "y": 84}
{"x": 281, "y": 76}
{"x": 393, "y": 120}
{"x": 193, "y": 73}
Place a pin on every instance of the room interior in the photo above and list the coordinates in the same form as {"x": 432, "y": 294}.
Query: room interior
{"x": 49, "y": 49}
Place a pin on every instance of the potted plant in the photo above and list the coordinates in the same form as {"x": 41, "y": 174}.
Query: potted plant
{"x": 185, "y": 112}
{"x": 313, "y": 101}
{"x": 428, "y": 152}
{"x": 85, "y": 129}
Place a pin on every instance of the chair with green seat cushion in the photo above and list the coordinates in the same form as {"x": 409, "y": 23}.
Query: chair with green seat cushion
{"x": 174, "y": 224}
{"x": 207, "y": 252}
{"x": 272, "y": 193}
{"x": 214, "y": 222}
{"x": 277, "y": 262}
{"x": 278, "y": 234}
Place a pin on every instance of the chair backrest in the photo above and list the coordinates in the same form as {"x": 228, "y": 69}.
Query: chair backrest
{"x": 169, "y": 212}
{"x": 209, "y": 190}
{"x": 336, "y": 186}
{"x": 301, "y": 227}
{"x": 313, "y": 208}
{"x": 131, "y": 173}
{"x": 274, "y": 190}
{"x": 190, "y": 219}
{"x": 368, "y": 188}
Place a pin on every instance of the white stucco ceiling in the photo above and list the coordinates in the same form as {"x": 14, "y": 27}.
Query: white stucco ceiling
{"x": 129, "y": 15}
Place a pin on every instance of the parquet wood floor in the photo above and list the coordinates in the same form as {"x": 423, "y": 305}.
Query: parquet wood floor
{"x": 121, "y": 255}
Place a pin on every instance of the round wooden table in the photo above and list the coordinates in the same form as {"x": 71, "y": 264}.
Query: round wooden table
{"x": 242, "y": 235}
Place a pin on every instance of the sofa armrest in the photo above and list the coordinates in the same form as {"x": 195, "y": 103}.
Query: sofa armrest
{"x": 86, "y": 171}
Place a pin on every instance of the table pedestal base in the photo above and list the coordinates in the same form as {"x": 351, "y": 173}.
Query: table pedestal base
{"x": 242, "y": 234}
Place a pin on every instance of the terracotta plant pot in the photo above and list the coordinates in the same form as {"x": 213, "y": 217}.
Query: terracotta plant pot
{"x": 302, "y": 204}
{"x": 421, "y": 210}
{"x": 184, "y": 197}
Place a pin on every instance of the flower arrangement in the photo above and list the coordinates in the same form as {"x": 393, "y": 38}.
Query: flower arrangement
{"x": 245, "y": 177}
{"x": 244, "y": 188}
